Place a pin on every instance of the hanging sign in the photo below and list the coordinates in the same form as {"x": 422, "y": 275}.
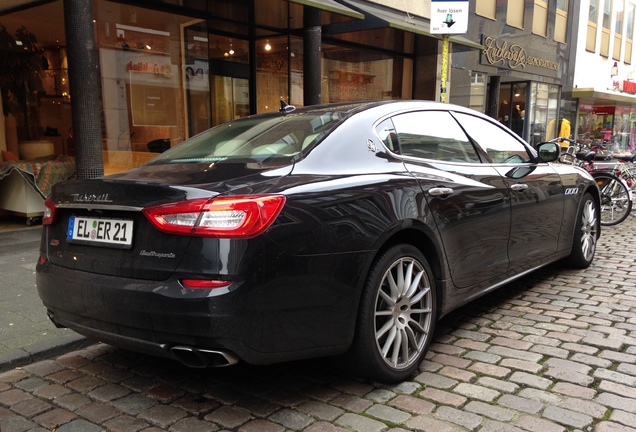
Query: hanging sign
{"x": 449, "y": 16}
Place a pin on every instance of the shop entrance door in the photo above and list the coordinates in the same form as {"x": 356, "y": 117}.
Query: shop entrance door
{"x": 512, "y": 106}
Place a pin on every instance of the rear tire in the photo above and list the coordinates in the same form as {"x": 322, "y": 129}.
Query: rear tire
{"x": 397, "y": 316}
{"x": 586, "y": 233}
{"x": 615, "y": 198}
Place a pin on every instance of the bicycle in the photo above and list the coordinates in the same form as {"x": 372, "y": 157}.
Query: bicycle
{"x": 615, "y": 194}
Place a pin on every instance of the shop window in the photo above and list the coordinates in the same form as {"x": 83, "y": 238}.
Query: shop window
{"x": 356, "y": 74}
{"x": 544, "y": 101}
{"x": 592, "y": 26}
{"x": 469, "y": 88}
{"x": 540, "y": 18}
{"x": 605, "y": 29}
{"x": 621, "y": 139}
{"x": 514, "y": 13}
{"x": 486, "y": 8}
{"x": 629, "y": 33}
{"x": 149, "y": 61}
{"x": 619, "y": 5}
{"x": 228, "y": 59}
{"x": 561, "y": 21}
{"x": 273, "y": 71}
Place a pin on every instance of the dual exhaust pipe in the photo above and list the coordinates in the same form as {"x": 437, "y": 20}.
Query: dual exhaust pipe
{"x": 203, "y": 358}
{"x": 189, "y": 356}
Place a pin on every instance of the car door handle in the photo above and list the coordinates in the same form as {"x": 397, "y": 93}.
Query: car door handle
{"x": 518, "y": 187}
{"x": 439, "y": 191}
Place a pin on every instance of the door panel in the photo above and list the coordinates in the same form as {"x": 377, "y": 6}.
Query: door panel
{"x": 537, "y": 205}
{"x": 469, "y": 199}
{"x": 536, "y": 191}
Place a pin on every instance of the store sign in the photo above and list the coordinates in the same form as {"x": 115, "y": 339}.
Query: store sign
{"x": 449, "y": 16}
{"x": 502, "y": 53}
{"x": 629, "y": 87}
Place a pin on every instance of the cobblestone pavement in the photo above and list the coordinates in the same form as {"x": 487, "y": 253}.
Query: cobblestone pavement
{"x": 555, "y": 351}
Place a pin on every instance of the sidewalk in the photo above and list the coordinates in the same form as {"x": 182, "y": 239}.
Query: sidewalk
{"x": 26, "y": 333}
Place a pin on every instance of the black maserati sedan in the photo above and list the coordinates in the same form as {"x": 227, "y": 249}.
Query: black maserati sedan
{"x": 341, "y": 229}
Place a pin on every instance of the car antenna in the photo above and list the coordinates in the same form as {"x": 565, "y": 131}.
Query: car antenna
{"x": 285, "y": 108}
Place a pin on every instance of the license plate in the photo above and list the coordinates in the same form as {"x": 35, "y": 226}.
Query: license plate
{"x": 115, "y": 233}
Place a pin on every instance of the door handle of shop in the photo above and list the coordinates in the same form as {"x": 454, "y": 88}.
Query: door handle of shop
{"x": 519, "y": 187}
{"x": 439, "y": 191}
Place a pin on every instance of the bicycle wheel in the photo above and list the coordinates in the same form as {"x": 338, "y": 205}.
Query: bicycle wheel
{"x": 615, "y": 198}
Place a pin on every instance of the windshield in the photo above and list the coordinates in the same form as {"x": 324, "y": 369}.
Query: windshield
{"x": 257, "y": 138}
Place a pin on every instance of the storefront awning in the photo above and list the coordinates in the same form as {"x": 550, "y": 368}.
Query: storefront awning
{"x": 377, "y": 16}
{"x": 7, "y": 5}
{"x": 596, "y": 97}
{"x": 330, "y": 6}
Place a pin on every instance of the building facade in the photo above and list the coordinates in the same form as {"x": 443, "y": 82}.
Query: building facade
{"x": 600, "y": 89}
{"x": 171, "y": 69}
{"x": 519, "y": 74}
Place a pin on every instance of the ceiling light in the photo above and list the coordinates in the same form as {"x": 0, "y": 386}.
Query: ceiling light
{"x": 268, "y": 46}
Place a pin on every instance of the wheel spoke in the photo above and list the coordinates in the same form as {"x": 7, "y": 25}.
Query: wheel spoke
{"x": 414, "y": 285}
{"x": 397, "y": 345}
{"x": 419, "y": 295}
{"x": 389, "y": 341}
{"x": 418, "y": 327}
{"x": 395, "y": 291}
{"x": 404, "y": 279}
{"x": 385, "y": 328}
{"x": 387, "y": 298}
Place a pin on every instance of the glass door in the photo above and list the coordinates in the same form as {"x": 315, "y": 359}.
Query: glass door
{"x": 512, "y": 107}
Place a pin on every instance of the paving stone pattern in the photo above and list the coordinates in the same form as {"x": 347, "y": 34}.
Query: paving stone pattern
{"x": 554, "y": 351}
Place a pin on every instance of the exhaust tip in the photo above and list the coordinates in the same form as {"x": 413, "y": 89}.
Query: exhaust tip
{"x": 202, "y": 358}
{"x": 51, "y": 316}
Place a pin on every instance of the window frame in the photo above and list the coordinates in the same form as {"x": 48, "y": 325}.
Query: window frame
{"x": 592, "y": 26}
{"x": 540, "y": 27}
{"x": 561, "y": 21}
{"x": 606, "y": 27}
{"x": 486, "y": 8}
{"x": 515, "y": 13}
{"x": 619, "y": 29}
{"x": 629, "y": 31}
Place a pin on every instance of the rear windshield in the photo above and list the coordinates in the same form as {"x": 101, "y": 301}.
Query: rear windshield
{"x": 258, "y": 139}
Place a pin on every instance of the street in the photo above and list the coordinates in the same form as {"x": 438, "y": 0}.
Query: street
{"x": 553, "y": 351}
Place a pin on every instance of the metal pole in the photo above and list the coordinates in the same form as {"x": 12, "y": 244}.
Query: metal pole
{"x": 312, "y": 38}
{"x": 444, "y": 74}
{"x": 83, "y": 77}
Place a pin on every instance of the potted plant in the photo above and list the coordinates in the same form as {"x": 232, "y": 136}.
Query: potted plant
{"x": 21, "y": 66}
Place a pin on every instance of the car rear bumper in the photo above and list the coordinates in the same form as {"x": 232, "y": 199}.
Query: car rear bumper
{"x": 287, "y": 318}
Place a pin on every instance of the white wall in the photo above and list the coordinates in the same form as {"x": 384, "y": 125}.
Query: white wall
{"x": 591, "y": 69}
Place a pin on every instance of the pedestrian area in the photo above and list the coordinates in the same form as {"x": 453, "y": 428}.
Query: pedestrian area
{"x": 555, "y": 351}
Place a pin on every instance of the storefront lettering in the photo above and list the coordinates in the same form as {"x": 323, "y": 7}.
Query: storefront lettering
{"x": 513, "y": 56}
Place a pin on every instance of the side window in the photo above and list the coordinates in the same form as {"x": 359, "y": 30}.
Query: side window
{"x": 500, "y": 146}
{"x": 387, "y": 134}
{"x": 433, "y": 135}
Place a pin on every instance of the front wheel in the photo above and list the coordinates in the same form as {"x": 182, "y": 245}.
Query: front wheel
{"x": 586, "y": 233}
{"x": 397, "y": 316}
{"x": 616, "y": 203}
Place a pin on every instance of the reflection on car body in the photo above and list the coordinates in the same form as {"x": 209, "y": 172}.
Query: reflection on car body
{"x": 335, "y": 229}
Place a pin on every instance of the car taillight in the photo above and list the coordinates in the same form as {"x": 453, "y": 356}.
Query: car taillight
{"x": 49, "y": 212}
{"x": 205, "y": 283}
{"x": 237, "y": 216}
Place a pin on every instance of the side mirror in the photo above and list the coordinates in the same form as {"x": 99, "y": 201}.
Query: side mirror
{"x": 549, "y": 151}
